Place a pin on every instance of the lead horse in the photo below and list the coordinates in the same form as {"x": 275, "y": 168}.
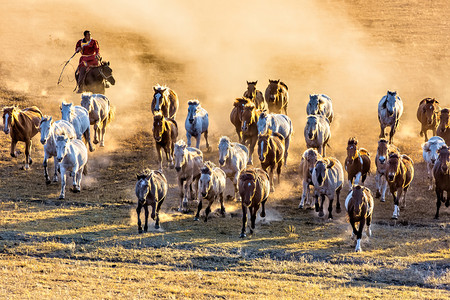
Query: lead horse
{"x": 165, "y": 100}
{"x": 277, "y": 96}
{"x": 97, "y": 78}
{"x": 390, "y": 109}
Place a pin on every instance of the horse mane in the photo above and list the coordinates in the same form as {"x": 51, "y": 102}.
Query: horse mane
{"x": 208, "y": 166}
{"x": 144, "y": 174}
{"x": 394, "y": 155}
{"x": 225, "y": 140}
{"x": 61, "y": 137}
{"x": 252, "y": 82}
{"x": 194, "y": 102}
{"x": 352, "y": 141}
{"x": 444, "y": 111}
{"x": 238, "y": 101}
{"x": 44, "y": 119}
{"x": 158, "y": 116}
{"x": 248, "y": 174}
{"x": 173, "y": 121}
{"x": 159, "y": 87}
{"x": 180, "y": 143}
{"x": 404, "y": 156}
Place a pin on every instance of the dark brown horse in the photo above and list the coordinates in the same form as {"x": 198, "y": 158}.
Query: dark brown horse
{"x": 359, "y": 206}
{"x": 357, "y": 163}
{"x": 255, "y": 95}
{"x": 22, "y": 125}
{"x": 254, "y": 189}
{"x": 165, "y": 133}
{"x": 97, "y": 78}
{"x": 443, "y": 129}
{"x": 271, "y": 154}
{"x": 235, "y": 115}
{"x": 442, "y": 177}
{"x": 400, "y": 173}
{"x": 249, "y": 120}
{"x": 428, "y": 115}
{"x": 165, "y": 100}
{"x": 277, "y": 96}
{"x": 383, "y": 151}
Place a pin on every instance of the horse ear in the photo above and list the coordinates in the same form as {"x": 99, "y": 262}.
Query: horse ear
{"x": 50, "y": 119}
{"x": 256, "y": 82}
{"x": 248, "y": 82}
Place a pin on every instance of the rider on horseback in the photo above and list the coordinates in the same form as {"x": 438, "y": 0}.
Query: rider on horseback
{"x": 90, "y": 57}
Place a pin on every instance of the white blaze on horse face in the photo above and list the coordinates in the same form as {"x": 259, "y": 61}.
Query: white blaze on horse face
{"x": 142, "y": 190}
{"x": 223, "y": 154}
{"x": 61, "y": 149}
{"x": 65, "y": 112}
{"x": 5, "y": 125}
{"x": 45, "y": 131}
{"x": 205, "y": 184}
{"x": 179, "y": 156}
{"x": 157, "y": 97}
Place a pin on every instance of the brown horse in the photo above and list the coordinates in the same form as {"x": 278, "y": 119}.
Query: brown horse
{"x": 357, "y": 163}
{"x": 428, "y": 116}
{"x": 254, "y": 189}
{"x": 443, "y": 128}
{"x": 442, "y": 178}
{"x": 235, "y": 115}
{"x": 277, "y": 96}
{"x": 22, "y": 125}
{"x": 249, "y": 120}
{"x": 165, "y": 133}
{"x": 255, "y": 95}
{"x": 165, "y": 100}
{"x": 97, "y": 78}
{"x": 271, "y": 153}
{"x": 359, "y": 206}
{"x": 383, "y": 151}
{"x": 400, "y": 173}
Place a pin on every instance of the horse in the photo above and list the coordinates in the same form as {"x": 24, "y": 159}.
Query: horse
{"x": 197, "y": 122}
{"x": 188, "y": 164}
{"x": 390, "y": 109}
{"x": 151, "y": 189}
{"x": 442, "y": 178}
{"x": 278, "y": 123}
{"x": 97, "y": 78}
{"x": 165, "y": 100}
{"x": 357, "y": 163}
{"x": 78, "y": 116}
{"x": 327, "y": 177}
{"x": 277, "y": 96}
{"x": 255, "y": 95}
{"x": 271, "y": 154}
{"x": 165, "y": 133}
{"x": 317, "y": 133}
{"x": 72, "y": 156}
{"x": 383, "y": 151}
{"x": 320, "y": 104}
{"x": 359, "y": 206}
{"x": 249, "y": 120}
{"x": 443, "y": 126}
{"x": 430, "y": 155}
{"x": 233, "y": 158}
{"x": 309, "y": 158}
{"x": 101, "y": 113}
{"x": 211, "y": 186}
{"x": 428, "y": 116}
{"x": 400, "y": 173}
{"x": 235, "y": 115}
{"x": 49, "y": 131}
{"x": 254, "y": 188}
{"x": 21, "y": 125}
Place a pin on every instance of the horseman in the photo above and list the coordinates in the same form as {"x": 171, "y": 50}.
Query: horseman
{"x": 90, "y": 57}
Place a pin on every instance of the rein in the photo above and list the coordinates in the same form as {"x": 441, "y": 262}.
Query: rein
{"x": 103, "y": 75}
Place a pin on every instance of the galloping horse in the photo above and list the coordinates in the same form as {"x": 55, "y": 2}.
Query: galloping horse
{"x": 442, "y": 178}
{"x": 400, "y": 173}
{"x": 165, "y": 100}
{"x": 384, "y": 150}
{"x": 428, "y": 115}
{"x": 317, "y": 133}
{"x": 255, "y": 95}
{"x": 271, "y": 154}
{"x": 22, "y": 125}
{"x": 390, "y": 109}
{"x": 97, "y": 78}
{"x": 357, "y": 163}
{"x": 78, "y": 116}
{"x": 249, "y": 120}
{"x": 277, "y": 96}
{"x": 309, "y": 158}
{"x": 443, "y": 128}
{"x": 235, "y": 115}
{"x": 430, "y": 155}
{"x": 197, "y": 122}
{"x": 320, "y": 104}
{"x": 165, "y": 133}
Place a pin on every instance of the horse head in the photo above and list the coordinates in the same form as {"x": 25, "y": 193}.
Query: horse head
{"x": 352, "y": 147}
{"x": 311, "y": 156}
{"x": 8, "y": 118}
{"x": 193, "y": 106}
{"x": 315, "y": 105}
{"x": 158, "y": 126}
{"x": 273, "y": 90}
{"x": 247, "y": 186}
{"x": 44, "y": 127}
{"x": 320, "y": 171}
{"x": 179, "y": 154}
{"x": 444, "y": 119}
{"x": 143, "y": 186}
{"x": 248, "y": 116}
{"x": 311, "y": 127}
{"x": 67, "y": 113}
{"x": 356, "y": 202}
{"x": 87, "y": 101}
{"x": 391, "y": 99}
{"x": 443, "y": 159}
{"x": 158, "y": 97}
{"x": 205, "y": 178}
{"x": 251, "y": 89}
{"x": 224, "y": 150}
{"x": 393, "y": 166}
{"x": 106, "y": 72}
{"x": 61, "y": 147}
{"x": 430, "y": 109}
{"x": 263, "y": 145}
{"x": 263, "y": 123}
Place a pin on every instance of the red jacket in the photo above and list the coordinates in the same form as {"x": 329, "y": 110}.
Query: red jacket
{"x": 89, "y": 52}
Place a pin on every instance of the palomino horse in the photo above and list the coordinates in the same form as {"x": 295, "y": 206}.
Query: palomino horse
{"x": 188, "y": 164}
{"x": 151, "y": 189}
{"x": 165, "y": 133}
{"x": 49, "y": 131}
{"x": 97, "y": 78}
{"x": 443, "y": 128}
{"x": 249, "y": 120}
{"x": 254, "y": 188}
{"x": 72, "y": 156}
{"x": 211, "y": 186}
{"x": 309, "y": 158}
{"x": 327, "y": 177}
{"x": 430, "y": 155}
{"x": 277, "y": 96}
{"x": 442, "y": 178}
{"x": 78, "y": 116}
{"x": 383, "y": 151}
{"x": 390, "y": 109}
{"x": 400, "y": 173}
{"x": 428, "y": 116}
{"x": 320, "y": 104}
{"x": 101, "y": 113}
{"x": 197, "y": 122}
{"x": 233, "y": 158}
{"x": 22, "y": 125}
{"x": 235, "y": 115}
{"x": 317, "y": 133}
{"x": 165, "y": 100}
{"x": 357, "y": 163}
{"x": 255, "y": 95}
{"x": 271, "y": 154}
{"x": 359, "y": 206}
{"x": 277, "y": 123}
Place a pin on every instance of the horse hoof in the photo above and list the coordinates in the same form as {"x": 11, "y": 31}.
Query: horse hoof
{"x": 358, "y": 250}
{"x": 338, "y": 210}
{"x": 317, "y": 207}
{"x": 377, "y": 194}
{"x": 262, "y": 214}
{"x": 47, "y": 181}
{"x": 382, "y": 200}
{"x": 140, "y": 231}
{"x": 321, "y": 214}
{"x": 61, "y": 198}
{"x": 243, "y": 235}
{"x": 95, "y": 142}
{"x": 300, "y": 206}
{"x": 196, "y": 219}
{"x": 206, "y": 219}
{"x": 156, "y": 226}
{"x": 394, "y": 217}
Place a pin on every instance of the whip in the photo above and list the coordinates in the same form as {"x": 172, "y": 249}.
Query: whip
{"x": 59, "y": 79}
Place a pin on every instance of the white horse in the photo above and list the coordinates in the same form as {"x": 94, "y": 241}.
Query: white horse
{"x": 101, "y": 113}
{"x": 233, "y": 158}
{"x": 78, "y": 116}
{"x": 72, "y": 156}
{"x": 49, "y": 130}
{"x": 317, "y": 133}
{"x": 430, "y": 155}
{"x": 320, "y": 104}
{"x": 390, "y": 109}
{"x": 309, "y": 158}
{"x": 196, "y": 123}
{"x": 211, "y": 186}
{"x": 277, "y": 123}
{"x": 188, "y": 163}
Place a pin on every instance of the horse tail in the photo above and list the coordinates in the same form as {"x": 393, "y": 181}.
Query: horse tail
{"x": 111, "y": 114}
{"x": 85, "y": 169}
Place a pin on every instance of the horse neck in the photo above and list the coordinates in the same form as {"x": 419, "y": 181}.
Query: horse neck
{"x": 357, "y": 205}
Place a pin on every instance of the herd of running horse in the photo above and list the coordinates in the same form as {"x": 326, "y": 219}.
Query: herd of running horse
{"x": 260, "y": 121}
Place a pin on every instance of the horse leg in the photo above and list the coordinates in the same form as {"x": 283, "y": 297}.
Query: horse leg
{"x": 253, "y": 218}
{"x": 208, "y": 148}
{"x": 55, "y": 176}
{"x": 430, "y": 176}
{"x": 28, "y": 160}
{"x": 239, "y": 134}
{"x": 316, "y": 202}
{"x": 208, "y": 209}
{"x": 63, "y": 182}
{"x": 251, "y": 149}
{"x": 384, "y": 188}
{"x": 198, "y": 140}
{"x": 280, "y": 164}
{"x": 404, "y": 197}
{"x": 382, "y": 134}
{"x": 146, "y": 217}
{"x": 378, "y": 184}
{"x": 222, "y": 206}
{"x": 354, "y": 230}
{"x": 263, "y": 209}
{"x": 330, "y": 207}
{"x": 78, "y": 176}
{"x": 321, "y": 214}
{"x": 440, "y": 196}
{"x": 96, "y": 134}
{"x": 158, "y": 207}
{"x": 158, "y": 152}
{"x": 187, "y": 192}
{"x": 102, "y": 138}
{"x": 13, "y": 148}
{"x": 272, "y": 187}
{"x": 188, "y": 139}
{"x": 47, "y": 179}
{"x": 426, "y": 136}
{"x": 286, "y": 146}
{"x": 368, "y": 222}
{"x": 181, "y": 186}
{"x": 237, "y": 197}
{"x": 396, "y": 208}
{"x": 138, "y": 212}
{"x": 171, "y": 149}
{"x": 358, "y": 236}
{"x": 199, "y": 208}
{"x": 87, "y": 136}
{"x": 304, "y": 194}
{"x": 338, "y": 202}
{"x": 357, "y": 178}
{"x": 244, "y": 221}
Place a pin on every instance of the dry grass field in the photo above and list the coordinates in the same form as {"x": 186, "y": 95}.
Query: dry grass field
{"x": 88, "y": 246}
